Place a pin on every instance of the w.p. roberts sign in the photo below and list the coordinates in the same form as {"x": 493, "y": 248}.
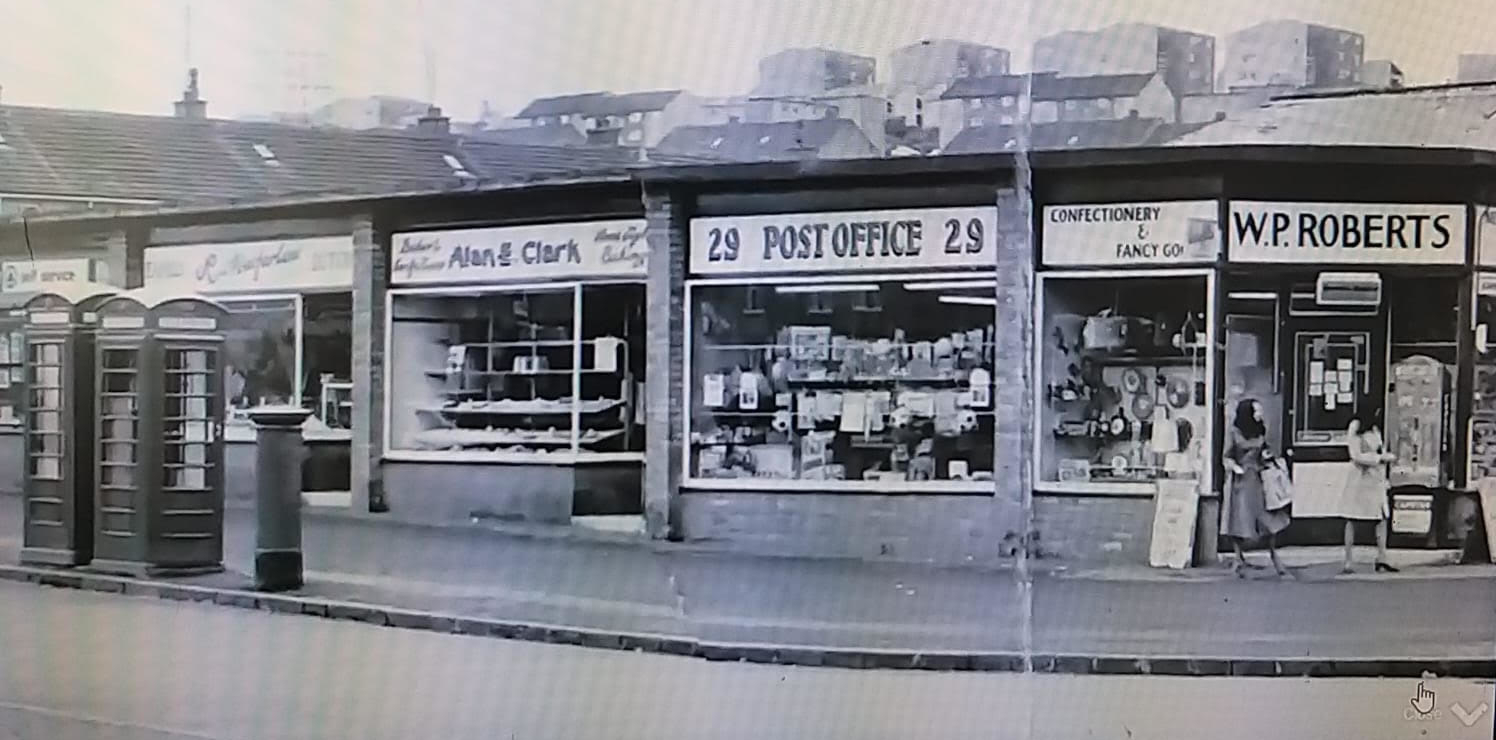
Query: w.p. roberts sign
{"x": 593, "y": 249}
{"x": 1123, "y": 234}
{"x": 1347, "y": 233}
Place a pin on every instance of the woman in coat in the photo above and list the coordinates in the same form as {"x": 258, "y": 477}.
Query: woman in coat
{"x": 1247, "y": 517}
{"x": 1365, "y": 497}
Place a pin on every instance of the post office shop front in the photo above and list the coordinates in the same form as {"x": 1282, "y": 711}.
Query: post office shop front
{"x": 19, "y": 281}
{"x": 1124, "y": 321}
{"x": 1335, "y": 310}
{"x": 288, "y": 340}
{"x": 514, "y": 370}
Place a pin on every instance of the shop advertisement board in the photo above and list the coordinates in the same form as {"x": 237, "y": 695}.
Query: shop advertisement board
{"x": 1346, "y": 233}
{"x": 593, "y": 249}
{"x": 29, "y": 276}
{"x": 1485, "y": 235}
{"x": 323, "y": 263}
{"x": 849, "y": 241}
{"x": 1131, "y": 234}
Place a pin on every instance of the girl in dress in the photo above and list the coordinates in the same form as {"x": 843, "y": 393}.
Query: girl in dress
{"x": 1365, "y": 497}
{"x": 1247, "y": 517}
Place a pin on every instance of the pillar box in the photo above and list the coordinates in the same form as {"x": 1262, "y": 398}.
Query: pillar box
{"x": 279, "y": 454}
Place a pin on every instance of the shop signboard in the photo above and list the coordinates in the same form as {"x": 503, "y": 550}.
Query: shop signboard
{"x": 1346, "y": 233}
{"x": 847, "y": 241}
{"x": 29, "y": 276}
{"x": 296, "y": 265}
{"x": 1131, "y": 234}
{"x": 593, "y": 249}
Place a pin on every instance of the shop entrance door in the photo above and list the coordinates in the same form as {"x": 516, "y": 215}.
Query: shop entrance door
{"x": 1336, "y": 369}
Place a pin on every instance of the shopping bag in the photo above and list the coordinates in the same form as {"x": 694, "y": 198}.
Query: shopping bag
{"x": 1277, "y": 485}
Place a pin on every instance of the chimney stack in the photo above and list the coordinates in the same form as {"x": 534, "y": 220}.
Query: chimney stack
{"x": 192, "y": 105}
{"x": 434, "y": 122}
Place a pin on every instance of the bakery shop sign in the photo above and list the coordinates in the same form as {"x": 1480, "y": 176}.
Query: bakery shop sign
{"x": 1124, "y": 234}
{"x": 851, "y": 241}
{"x": 1347, "y": 233}
{"x": 593, "y": 249}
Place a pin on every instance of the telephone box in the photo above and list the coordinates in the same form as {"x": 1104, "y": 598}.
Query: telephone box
{"x": 159, "y": 448}
{"x": 57, "y": 408}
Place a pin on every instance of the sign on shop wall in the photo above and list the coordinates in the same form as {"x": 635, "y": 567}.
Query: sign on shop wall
{"x": 1122, "y": 234}
{"x": 544, "y": 251}
{"x": 324, "y": 263}
{"x": 852, "y": 241}
{"x": 1346, "y": 233}
{"x": 29, "y": 276}
{"x": 1485, "y": 235}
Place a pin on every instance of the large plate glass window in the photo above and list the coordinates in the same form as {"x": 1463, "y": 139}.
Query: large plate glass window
{"x": 550, "y": 371}
{"x": 1123, "y": 379}
{"x": 260, "y": 356}
{"x": 1483, "y": 401}
{"x": 874, "y": 381}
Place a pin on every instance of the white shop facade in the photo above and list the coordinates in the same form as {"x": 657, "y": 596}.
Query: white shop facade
{"x": 514, "y": 370}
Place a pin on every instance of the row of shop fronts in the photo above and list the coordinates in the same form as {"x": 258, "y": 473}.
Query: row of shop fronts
{"x": 898, "y": 359}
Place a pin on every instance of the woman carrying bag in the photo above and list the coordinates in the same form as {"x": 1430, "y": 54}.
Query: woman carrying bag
{"x": 1254, "y": 472}
{"x": 1365, "y": 497}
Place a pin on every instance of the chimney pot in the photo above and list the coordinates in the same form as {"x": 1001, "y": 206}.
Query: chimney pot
{"x": 434, "y": 122}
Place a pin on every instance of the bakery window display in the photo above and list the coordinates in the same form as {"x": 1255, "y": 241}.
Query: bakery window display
{"x": 881, "y": 383}
{"x": 549, "y": 373}
{"x": 1123, "y": 381}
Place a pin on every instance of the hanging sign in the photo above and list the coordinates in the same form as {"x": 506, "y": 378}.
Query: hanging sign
{"x": 1120, "y": 234}
{"x": 322, "y": 263}
{"x": 597, "y": 249}
{"x": 852, "y": 241}
{"x": 1346, "y": 233}
{"x": 30, "y": 276}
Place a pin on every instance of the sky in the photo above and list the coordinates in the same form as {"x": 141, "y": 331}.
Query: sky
{"x": 259, "y": 56}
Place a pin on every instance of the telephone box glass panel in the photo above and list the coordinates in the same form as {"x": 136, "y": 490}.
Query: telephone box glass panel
{"x": 188, "y": 419}
{"x": 45, "y": 453}
{"x": 119, "y": 417}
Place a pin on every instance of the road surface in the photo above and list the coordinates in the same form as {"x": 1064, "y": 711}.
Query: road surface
{"x": 86, "y": 665}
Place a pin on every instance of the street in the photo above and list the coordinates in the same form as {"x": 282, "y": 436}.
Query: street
{"x": 82, "y": 665}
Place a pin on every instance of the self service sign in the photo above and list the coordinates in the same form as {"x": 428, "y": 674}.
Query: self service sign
{"x": 1346, "y": 233}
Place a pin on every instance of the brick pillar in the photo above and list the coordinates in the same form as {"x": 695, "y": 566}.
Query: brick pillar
{"x": 664, "y": 436}
{"x": 370, "y": 279}
{"x": 1012, "y": 394}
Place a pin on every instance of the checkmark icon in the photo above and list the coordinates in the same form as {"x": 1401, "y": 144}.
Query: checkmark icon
{"x": 1468, "y": 717}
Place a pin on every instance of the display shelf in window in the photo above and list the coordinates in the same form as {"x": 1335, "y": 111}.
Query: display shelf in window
{"x": 827, "y": 386}
{"x": 549, "y": 372}
{"x": 1123, "y": 382}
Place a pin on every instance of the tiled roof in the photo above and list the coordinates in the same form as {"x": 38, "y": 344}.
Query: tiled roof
{"x": 1121, "y": 133}
{"x": 1050, "y": 86}
{"x": 532, "y": 135}
{"x": 599, "y": 104}
{"x": 756, "y": 142}
{"x": 52, "y": 152}
{"x": 1457, "y": 116}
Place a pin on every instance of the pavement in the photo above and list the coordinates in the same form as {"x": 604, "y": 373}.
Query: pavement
{"x": 1431, "y": 617}
{"x": 92, "y": 666}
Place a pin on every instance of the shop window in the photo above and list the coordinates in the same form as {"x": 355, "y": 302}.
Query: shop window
{"x": 1123, "y": 381}
{"x": 259, "y": 357}
{"x": 1483, "y": 407}
{"x": 327, "y": 358}
{"x": 550, "y": 373}
{"x": 873, "y": 385}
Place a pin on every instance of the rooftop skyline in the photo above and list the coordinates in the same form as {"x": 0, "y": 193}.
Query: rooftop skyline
{"x": 132, "y": 57}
